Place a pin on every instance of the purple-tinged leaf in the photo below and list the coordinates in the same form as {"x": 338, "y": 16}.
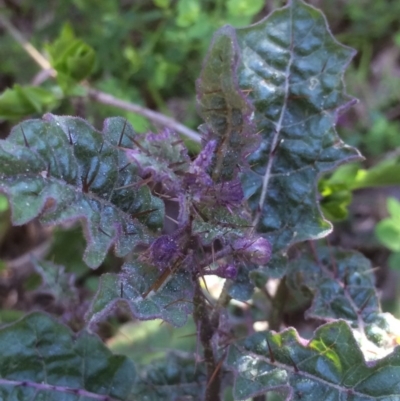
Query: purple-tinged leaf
{"x": 223, "y": 106}
{"x": 42, "y": 359}
{"x": 330, "y": 366}
{"x": 171, "y": 302}
{"x": 61, "y": 169}
{"x": 342, "y": 285}
{"x": 163, "y": 156}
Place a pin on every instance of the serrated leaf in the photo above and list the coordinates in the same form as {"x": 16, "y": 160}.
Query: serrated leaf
{"x": 178, "y": 377}
{"x": 172, "y": 302}
{"x": 293, "y": 69}
{"x": 62, "y": 169}
{"x": 330, "y": 366}
{"x": 42, "y": 359}
{"x": 342, "y": 284}
{"x": 224, "y": 107}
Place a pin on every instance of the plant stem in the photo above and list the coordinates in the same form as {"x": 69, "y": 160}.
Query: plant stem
{"x": 96, "y": 95}
{"x": 278, "y": 303}
{"x": 206, "y": 332}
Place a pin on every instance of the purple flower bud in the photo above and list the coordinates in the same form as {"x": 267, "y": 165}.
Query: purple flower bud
{"x": 258, "y": 250}
{"x": 230, "y": 272}
{"x": 162, "y": 251}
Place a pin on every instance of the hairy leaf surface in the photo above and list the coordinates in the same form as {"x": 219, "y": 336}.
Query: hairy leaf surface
{"x": 162, "y": 155}
{"x": 330, "y": 366}
{"x": 172, "y": 302}
{"x": 293, "y": 69}
{"x": 224, "y": 107}
{"x": 42, "y": 359}
{"x": 62, "y": 169}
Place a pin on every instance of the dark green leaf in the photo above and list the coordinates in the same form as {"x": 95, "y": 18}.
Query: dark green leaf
{"x": 343, "y": 287}
{"x": 178, "y": 377}
{"x": 42, "y": 359}
{"x": 293, "y": 69}
{"x": 330, "y": 366}
{"x": 61, "y": 169}
{"x": 172, "y": 302}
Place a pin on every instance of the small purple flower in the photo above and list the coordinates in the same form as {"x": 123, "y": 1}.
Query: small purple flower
{"x": 257, "y": 250}
{"x": 227, "y": 271}
{"x": 163, "y": 251}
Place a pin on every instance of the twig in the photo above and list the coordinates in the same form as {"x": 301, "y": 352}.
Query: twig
{"x": 157, "y": 118}
{"x": 32, "y": 51}
{"x": 278, "y": 304}
{"x": 97, "y": 95}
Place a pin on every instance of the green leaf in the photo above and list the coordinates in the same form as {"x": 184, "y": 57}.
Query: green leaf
{"x": 22, "y": 101}
{"x": 393, "y": 206}
{"x": 330, "y": 366}
{"x": 172, "y": 302}
{"x": 244, "y": 8}
{"x": 388, "y": 233}
{"x": 293, "y": 69}
{"x": 62, "y": 169}
{"x": 177, "y": 377}
{"x": 188, "y": 13}
{"x": 42, "y": 359}
{"x": 388, "y": 230}
{"x": 342, "y": 285}
{"x": 72, "y": 58}
{"x": 383, "y": 174}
